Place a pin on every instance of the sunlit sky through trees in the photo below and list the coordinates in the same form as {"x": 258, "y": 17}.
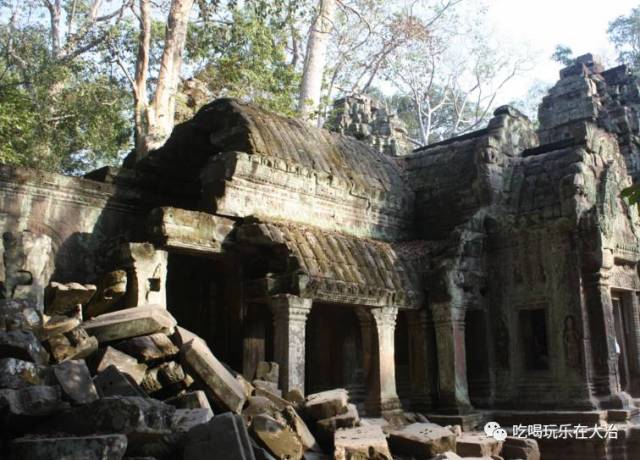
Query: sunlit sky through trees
{"x": 543, "y": 24}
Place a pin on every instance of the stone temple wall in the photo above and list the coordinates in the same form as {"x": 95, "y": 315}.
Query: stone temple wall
{"x": 82, "y": 218}
{"x": 608, "y": 98}
{"x": 368, "y": 120}
{"x": 491, "y": 276}
{"x": 249, "y": 162}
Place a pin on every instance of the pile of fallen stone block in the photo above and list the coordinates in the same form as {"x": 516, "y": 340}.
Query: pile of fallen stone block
{"x": 80, "y": 381}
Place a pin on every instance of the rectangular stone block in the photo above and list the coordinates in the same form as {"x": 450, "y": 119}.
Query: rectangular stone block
{"x": 185, "y": 419}
{"x": 75, "y": 344}
{"x": 164, "y": 376}
{"x": 133, "y": 416}
{"x": 131, "y": 322}
{"x": 525, "y": 449}
{"x": 38, "y": 400}
{"x": 277, "y": 437}
{"x": 18, "y": 314}
{"x": 61, "y": 299}
{"x": 189, "y": 231}
{"x": 147, "y": 348}
{"x": 97, "y": 447}
{"x": 224, "y": 433}
{"x": 112, "y": 382}
{"x": 326, "y": 404}
{"x": 327, "y": 427}
{"x": 226, "y": 390}
{"x": 22, "y": 345}
{"x": 109, "y": 294}
{"x": 422, "y": 439}
{"x": 190, "y": 400}
{"x": 16, "y": 374}
{"x": 75, "y": 380}
{"x": 477, "y": 445}
{"x": 361, "y": 442}
{"x": 123, "y": 362}
{"x": 279, "y": 402}
{"x": 267, "y": 386}
{"x": 58, "y": 325}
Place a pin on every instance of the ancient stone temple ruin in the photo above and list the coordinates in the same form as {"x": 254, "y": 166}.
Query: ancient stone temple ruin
{"x": 342, "y": 282}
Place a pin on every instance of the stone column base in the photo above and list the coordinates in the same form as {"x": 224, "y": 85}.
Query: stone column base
{"x": 384, "y": 407}
{"x": 421, "y": 403}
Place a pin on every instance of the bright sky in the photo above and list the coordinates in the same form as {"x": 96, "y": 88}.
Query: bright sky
{"x": 543, "y": 24}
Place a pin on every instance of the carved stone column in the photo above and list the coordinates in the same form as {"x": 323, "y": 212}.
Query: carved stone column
{"x": 453, "y": 394}
{"x": 602, "y": 337}
{"x": 378, "y": 329}
{"x": 289, "y": 322}
{"x": 634, "y": 345}
{"x": 421, "y": 360}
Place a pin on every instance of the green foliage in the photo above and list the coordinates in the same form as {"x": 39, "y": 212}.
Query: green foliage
{"x": 73, "y": 114}
{"x": 563, "y": 54}
{"x": 632, "y": 194}
{"x": 17, "y": 126}
{"x": 624, "y": 33}
{"x": 246, "y": 56}
{"x": 63, "y": 115}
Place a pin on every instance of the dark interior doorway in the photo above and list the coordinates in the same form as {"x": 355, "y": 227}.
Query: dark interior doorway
{"x": 334, "y": 350}
{"x": 402, "y": 347}
{"x": 477, "y": 355}
{"x": 258, "y": 338}
{"x": 620, "y": 303}
{"x": 533, "y": 331}
{"x": 203, "y": 294}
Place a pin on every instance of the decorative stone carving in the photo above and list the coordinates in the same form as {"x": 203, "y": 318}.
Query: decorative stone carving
{"x": 146, "y": 269}
{"x": 28, "y": 265}
{"x": 289, "y": 321}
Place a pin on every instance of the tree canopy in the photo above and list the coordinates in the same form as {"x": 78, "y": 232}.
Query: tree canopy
{"x": 85, "y": 82}
{"x": 624, "y": 33}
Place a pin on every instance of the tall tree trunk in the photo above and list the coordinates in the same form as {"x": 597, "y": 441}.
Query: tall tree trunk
{"x": 140, "y": 83}
{"x": 157, "y": 117}
{"x": 55, "y": 12}
{"x": 315, "y": 60}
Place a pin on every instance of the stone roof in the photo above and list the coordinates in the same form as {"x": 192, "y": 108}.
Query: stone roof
{"x": 230, "y": 125}
{"x": 343, "y": 268}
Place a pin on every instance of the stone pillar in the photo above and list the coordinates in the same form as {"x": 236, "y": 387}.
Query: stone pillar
{"x": 378, "y": 328}
{"x": 602, "y": 335}
{"x": 421, "y": 360}
{"x": 634, "y": 345}
{"x": 453, "y": 394}
{"x": 289, "y": 323}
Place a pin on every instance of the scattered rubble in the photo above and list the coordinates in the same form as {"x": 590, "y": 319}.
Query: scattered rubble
{"x": 131, "y": 383}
